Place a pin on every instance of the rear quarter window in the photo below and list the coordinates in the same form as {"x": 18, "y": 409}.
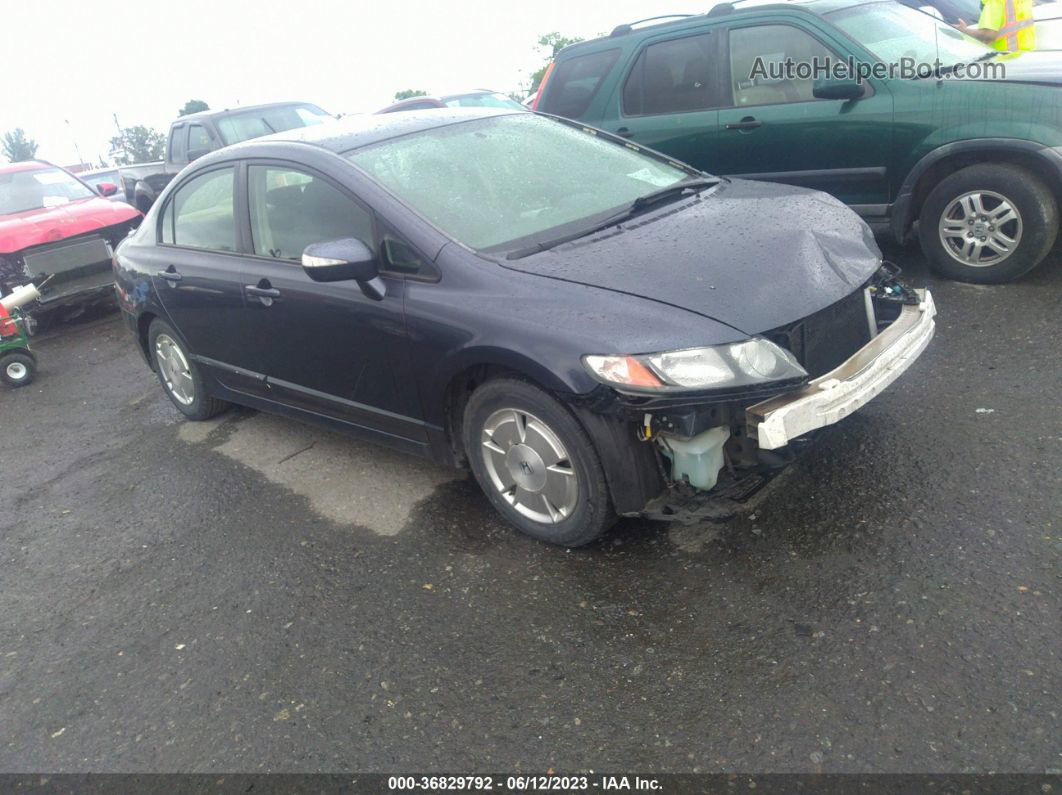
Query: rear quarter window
{"x": 575, "y": 81}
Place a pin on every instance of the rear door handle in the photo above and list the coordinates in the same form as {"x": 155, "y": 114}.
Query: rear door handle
{"x": 170, "y": 274}
{"x": 624, "y": 132}
{"x": 747, "y": 123}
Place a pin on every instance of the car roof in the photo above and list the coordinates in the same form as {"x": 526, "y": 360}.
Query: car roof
{"x": 722, "y": 9}
{"x": 25, "y": 165}
{"x": 353, "y": 132}
{"x": 203, "y": 114}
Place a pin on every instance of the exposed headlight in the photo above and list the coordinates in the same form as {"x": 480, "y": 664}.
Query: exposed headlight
{"x": 754, "y": 361}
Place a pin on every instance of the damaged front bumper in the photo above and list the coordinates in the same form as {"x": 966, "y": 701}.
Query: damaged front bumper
{"x": 775, "y": 422}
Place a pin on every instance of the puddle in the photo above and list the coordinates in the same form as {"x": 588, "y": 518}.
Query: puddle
{"x": 347, "y": 481}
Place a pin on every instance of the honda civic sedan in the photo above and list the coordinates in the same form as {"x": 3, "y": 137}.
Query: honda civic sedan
{"x": 592, "y": 328}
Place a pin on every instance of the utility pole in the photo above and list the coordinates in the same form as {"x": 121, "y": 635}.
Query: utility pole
{"x": 72, "y": 138}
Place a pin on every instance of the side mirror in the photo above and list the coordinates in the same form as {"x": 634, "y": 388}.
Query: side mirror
{"x": 107, "y": 188}
{"x": 344, "y": 260}
{"x": 195, "y": 154}
{"x": 825, "y": 88}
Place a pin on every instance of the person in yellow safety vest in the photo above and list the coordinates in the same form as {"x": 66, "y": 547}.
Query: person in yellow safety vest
{"x": 1004, "y": 25}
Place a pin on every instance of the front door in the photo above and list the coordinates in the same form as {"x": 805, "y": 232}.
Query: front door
{"x": 775, "y": 129}
{"x": 328, "y": 348}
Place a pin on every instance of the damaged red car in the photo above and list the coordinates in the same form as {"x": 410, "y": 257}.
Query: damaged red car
{"x": 58, "y": 233}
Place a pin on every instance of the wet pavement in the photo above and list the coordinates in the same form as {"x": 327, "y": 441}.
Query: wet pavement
{"x": 255, "y": 595}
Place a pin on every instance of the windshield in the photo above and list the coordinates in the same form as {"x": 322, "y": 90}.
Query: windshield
{"x": 38, "y": 188}
{"x": 483, "y": 101}
{"x": 238, "y": 127}
{"x": 892, "y": 32}
{"x": 492, "y": 181}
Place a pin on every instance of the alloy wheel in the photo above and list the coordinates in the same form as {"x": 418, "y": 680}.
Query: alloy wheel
{"x": 529, "y": 466}
{"x": 174, "y": 368}
{"x": 980, "y": 228}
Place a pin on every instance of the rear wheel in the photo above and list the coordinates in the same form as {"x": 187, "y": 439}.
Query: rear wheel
{"x": 988, "y": 224}
{"x": 536, "y": 464}
{"x": 178, "y": 374}
{"x": 17, "y": 369}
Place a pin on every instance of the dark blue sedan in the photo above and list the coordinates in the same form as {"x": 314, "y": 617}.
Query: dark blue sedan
{"x": 593, "y": 328}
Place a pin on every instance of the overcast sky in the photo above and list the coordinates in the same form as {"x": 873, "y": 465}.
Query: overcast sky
{"x": 68, "y": 65}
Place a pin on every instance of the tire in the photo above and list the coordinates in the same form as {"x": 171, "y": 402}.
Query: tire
{"x": 974, "y": 194}
{"x": 17, "y": 369}
{"x": 179, "y": 375}
{"x": 561, "y": 496}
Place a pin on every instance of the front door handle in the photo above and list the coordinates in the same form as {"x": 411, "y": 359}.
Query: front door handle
{"x": 263, "y": 291}
{"x": 624, "y": 132}
{"x": 747, "y": 123}
{"x": 170, "y": 274}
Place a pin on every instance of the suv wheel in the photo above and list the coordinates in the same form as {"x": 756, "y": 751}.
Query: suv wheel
{"x": 988, "y": 224}
{"x": 536, "y": 464}
{"x": 178, "y": 374}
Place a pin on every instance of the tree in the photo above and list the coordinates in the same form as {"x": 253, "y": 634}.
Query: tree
{"x": 408, "y": 93}
{"x": 17, "y": 147}
{"x": 551, "y": 43}
{"x": 193, "y": 106}
{"x": 138, "y": 144}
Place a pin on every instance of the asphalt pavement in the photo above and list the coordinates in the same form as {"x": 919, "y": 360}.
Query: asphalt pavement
{"x": 252, "y": 594}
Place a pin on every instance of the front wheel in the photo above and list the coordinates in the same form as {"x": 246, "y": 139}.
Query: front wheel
{"x": 988, "y": 224}
{"x": 536, "y": 464}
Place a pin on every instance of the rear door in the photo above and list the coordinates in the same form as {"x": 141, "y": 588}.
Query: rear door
{"x": 197, "y": 277}
{"x": 775, "y": 129}
{"x": 668, "y": 97}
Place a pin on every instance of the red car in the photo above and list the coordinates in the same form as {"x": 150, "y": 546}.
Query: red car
{"x": 54, "y": 225}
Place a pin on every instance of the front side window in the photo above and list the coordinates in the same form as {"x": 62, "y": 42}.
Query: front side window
{"x": 492, "y": 181}
{"x": 38, "y": 188}
{"x": 198, "y": 139}
{"x": 672, "y": 77}
{"x": 291, "y": 210}
{"x": 753, "y": 50}
{"x": 575, "y": 81}
{"x": 203, "y": 214}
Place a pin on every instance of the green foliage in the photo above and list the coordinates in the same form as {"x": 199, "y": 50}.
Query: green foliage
{"x": 17, "y": 147}
{"x": 138, "y": 144}
{"x": 193, "y": 106}
{"x": 549, "y": 44}
{"x": 409, "y": 93}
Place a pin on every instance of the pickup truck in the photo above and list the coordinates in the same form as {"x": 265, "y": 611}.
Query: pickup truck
{"x": 196, "y": 134}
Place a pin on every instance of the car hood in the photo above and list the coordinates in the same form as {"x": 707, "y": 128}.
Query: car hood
{"x": 753, "y": 255}
{"x": 46, "y": 225}
{"x": 1032, "y": 67}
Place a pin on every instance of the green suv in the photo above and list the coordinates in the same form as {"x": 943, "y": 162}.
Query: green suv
{"x": 972, "y": 165}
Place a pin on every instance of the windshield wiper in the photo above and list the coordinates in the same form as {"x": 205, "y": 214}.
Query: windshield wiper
{"x": 694, "y": 184}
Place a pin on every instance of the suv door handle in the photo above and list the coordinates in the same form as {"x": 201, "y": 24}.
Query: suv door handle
{"x": 170, "y": 274}
{"x": 747, "y": 123}
{"x": 624, "y": 132}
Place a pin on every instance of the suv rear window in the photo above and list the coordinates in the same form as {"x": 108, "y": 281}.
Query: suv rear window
{"x": 575, "y": 81}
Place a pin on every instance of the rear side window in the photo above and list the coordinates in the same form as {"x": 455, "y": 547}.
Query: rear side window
{"x": 575, "y": 81}
{"x": 672, "y": 77}
{"x": 203, "y": 212}
{"x": 178, "y": 144}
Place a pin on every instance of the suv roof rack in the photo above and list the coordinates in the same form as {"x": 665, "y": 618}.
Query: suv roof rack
{"x": 623, "y": 30}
